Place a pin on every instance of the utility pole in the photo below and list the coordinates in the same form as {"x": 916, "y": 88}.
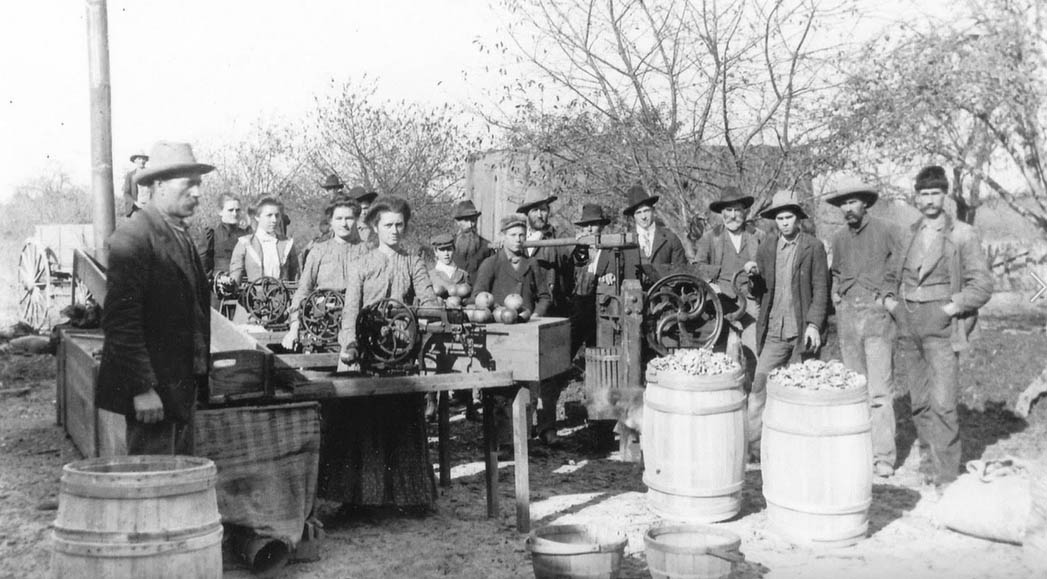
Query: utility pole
{"x": 104, "y": 217}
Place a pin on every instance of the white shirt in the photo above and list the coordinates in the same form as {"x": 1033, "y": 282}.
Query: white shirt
{"x": 594, "y": 259}
{"x": 646, "y": 239}
{"x": 270, "y": 255}
{"x": 446, "y": 269}
{"x": 532, "y": 235}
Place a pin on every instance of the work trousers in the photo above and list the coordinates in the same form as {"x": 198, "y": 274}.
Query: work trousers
{"x": 934, "y": 387}
{"x": 867, "y": 334}
{"x": 776, "y": 353}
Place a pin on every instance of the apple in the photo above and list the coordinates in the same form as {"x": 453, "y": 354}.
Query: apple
{"x": 513, "y": 302}
{"x": 453, "y": 302}
{"x": 484, "y": 300}
{"x": 463, "y": 290}
{"x": 525, "y": 315}
{"x": 484, "y": 316}
{"x": 508, "y": 316}
{"x": 440, "y": 290}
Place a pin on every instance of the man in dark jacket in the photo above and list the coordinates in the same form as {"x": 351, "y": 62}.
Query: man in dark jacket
{"x": 658, "y": 245}
{"x": 470, "y": 249}
{"x": 156, "y": 316}
{"x": 592, "y": 266}
{"x": 510, "y": 271}
{"x": 555, "y": 264}
{"x": 794, "y": 300}
{"x": 131, "y": 201}
{"x": 943, "y": 279}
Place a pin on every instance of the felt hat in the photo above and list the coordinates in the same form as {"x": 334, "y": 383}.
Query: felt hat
{"x": 441, "y": 240}
{"x": 512, "y": 220}
{"x": 728, "y": 196}
{"x": 784, "y": 199}
{"x": 465, "y": 209}
{"x": 534, "y": 198}
{"x": 139, "y": 154}
{"x": 361, "y": 195}
{"x": 932, "y": 177}
{"x": 636, "y": 198}
{"x": 849, "y": 187}
{"x": 592, "y": 213}
{"x": 170, "y": 159}
{"x": 332, "y": 182}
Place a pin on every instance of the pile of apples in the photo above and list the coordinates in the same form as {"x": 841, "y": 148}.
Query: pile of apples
{"x": 482, "y": 309}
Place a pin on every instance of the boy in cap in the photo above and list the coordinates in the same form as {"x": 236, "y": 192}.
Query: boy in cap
{"x": 470, "y": 249}
{"x": 864, "y": 256}
{"x": 658, "y": 246}
{"x": 794, "y": 301}
{"x": 942, "y": 280}
{"x": 444, "y": 272}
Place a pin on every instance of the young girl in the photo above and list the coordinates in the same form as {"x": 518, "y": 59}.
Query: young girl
{"x": 266, "y": 252}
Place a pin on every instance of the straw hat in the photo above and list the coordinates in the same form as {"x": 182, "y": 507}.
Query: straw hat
{"x": 139, "y": 154}
{"x": 532, "y": 199}
{"x": 850, "y": 187}
{"x": 782, "y": 200}
{"x": 170, "y": 160}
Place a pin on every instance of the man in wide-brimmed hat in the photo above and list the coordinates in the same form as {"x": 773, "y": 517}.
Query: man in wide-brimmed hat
{"x": 943, "y": 279}
{"x": 794, "y": 300}
{"x": 724, "y": 251}
{"x": 591, "y": 266}
{"x": 864, "y": 253}
{"x": 157, "y": 315}
{"x": 470, "y": 248}
{"x": 658, "y": 245}
{"x": 554, "y": 263}
{"x": 135, "y": 199}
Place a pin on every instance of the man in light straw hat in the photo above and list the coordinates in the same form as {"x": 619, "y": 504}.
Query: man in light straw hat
{"x": 943, "y": 279}
{"x": 554, "y": 263}
{"x": 135, "y": 199}
{"x": 794, "y": 300}
{"x": 157, "y": 315}
{"x": 864, "y": 256}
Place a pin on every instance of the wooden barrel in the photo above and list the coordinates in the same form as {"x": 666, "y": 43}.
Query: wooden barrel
{"x": 816, "y": 455}
{"x": 138, "y": 517}
{"x": 692, "y": 551}
{"x": 602, "y": 376}
{"x": 694, "y": 445}
{"x": 576, "y": 551}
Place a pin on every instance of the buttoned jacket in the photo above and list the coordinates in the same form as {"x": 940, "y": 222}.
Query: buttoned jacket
{"x": 247, "y": 259}
{"x": 497, "y": 276}
{"x": 810, "y": 286}
{"x": 666, "y": 249}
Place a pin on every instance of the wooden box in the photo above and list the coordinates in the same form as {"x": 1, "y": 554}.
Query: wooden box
{"x": 94, "y": 432}
{"x": 535, "y": 350}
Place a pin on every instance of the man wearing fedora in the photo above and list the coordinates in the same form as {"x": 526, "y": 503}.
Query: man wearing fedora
{"x": 864, "y": 255}
{"x": 722, "y": 252}
{"x": 657, "y": 245}
{"x": 592, "y": 266}
{"x": 132, "y": 201}
{"x": 470, "y": 249}
{"x": 157, "y": 315}
{"x": 943, "y": 279}
{"x": 555, "y": 264}
{"x": 794, "y": 301}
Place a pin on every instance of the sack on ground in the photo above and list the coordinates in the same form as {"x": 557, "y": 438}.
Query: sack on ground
{"x": 992, "y": 501}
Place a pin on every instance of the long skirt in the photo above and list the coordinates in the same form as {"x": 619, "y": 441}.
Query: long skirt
{"x": 375, "y": 452}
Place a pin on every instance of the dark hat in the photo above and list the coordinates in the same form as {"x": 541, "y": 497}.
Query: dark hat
{"x": 932, "y": 177}
{"x": 534, "y": 198}
{"x": 592, "y": 213}
{"x": 782, "y": 200}
{"x": 361, "y": 195}
{"x": 441, "y": 240}
{"x": 465, "y": 209}
{"x": 171, "y": 159}
{"x": 636, "y": 197}
{"x": 728, "y": 196}
{"x": 139, "y": 154}
{"x": 513, "y": 220}
{"x": 332, "y": 182}
{"x": 849, "y": 187}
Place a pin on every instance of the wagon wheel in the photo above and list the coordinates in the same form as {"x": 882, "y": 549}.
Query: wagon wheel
{"x": 388, "y": 331}
{"x": 321, "y": 314}
{"x": 267, "y": 300}
{"x": 681, "y": 311}
{"x": 34, "y": 277}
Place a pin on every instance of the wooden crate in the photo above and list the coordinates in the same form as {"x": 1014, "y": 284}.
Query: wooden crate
{"x": 94, "y": 432}
{"x": 535, "y": 350}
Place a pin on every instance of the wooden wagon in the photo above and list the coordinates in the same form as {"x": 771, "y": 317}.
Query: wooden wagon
{"x": 45, "y": 271}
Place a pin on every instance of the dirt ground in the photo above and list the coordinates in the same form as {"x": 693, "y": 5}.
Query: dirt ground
{"x": 576, "y": 485}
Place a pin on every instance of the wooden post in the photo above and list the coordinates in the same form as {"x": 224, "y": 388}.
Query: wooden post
{"x": 104, "y": 217}
{"x": 443, "y": 414}
{"x": 521, "y": 423}
{"x": 490, "y": 454}
{"x": 632, "y": 366}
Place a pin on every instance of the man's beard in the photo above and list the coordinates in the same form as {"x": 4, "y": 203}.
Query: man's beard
{"x": 467, "y": 242}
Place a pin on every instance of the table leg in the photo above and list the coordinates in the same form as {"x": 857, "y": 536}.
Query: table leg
{"x": 443, "y": 414}
{"x": 490, "y": 454}
{"x": 521, "y": 423}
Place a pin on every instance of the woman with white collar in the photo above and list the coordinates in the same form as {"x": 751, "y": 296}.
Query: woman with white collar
{"x": 265, "y": 252}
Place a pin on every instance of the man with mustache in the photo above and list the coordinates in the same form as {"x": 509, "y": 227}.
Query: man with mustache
{"x": 942, "y": 280}
{"x": 864, "y": 256}
{"x": 724, "y": 251}
{"x": 470, "y": 249}
{"x": 157, "y": 317}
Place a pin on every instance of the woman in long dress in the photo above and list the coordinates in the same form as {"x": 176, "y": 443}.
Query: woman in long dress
{"x": 384, "y": 454}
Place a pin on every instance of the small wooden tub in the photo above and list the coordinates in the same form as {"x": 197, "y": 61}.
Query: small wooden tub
{"x": 576, "y": 551}
{"x": 691, "y": 551}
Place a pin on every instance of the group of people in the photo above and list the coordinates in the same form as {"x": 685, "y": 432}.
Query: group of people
{"x": 929, "y": 282}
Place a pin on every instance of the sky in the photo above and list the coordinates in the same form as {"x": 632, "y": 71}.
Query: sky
{"x": 207, "y": 70}
{"x": 199, "y": 70}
